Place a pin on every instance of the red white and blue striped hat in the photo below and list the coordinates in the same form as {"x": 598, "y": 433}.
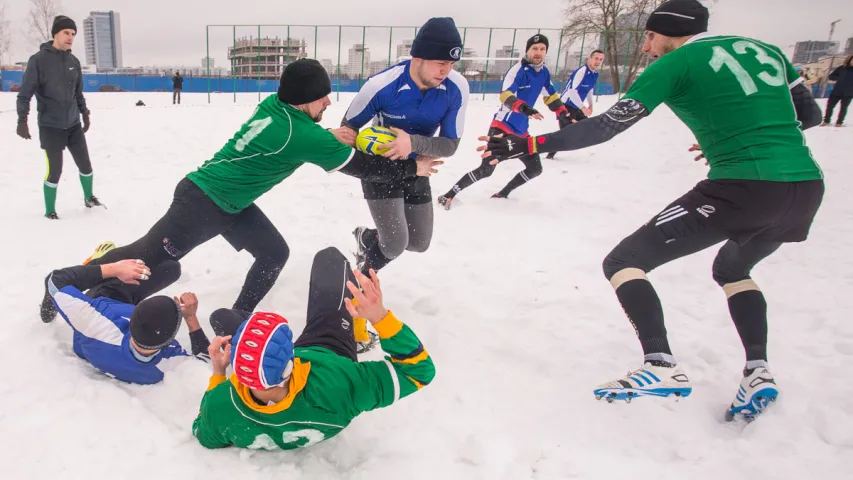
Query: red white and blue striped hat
{"x": 262, "y": 351}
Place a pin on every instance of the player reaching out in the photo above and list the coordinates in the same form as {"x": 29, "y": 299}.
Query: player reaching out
{"x": 522, "y": 85}
{"x": 746, "y": 105}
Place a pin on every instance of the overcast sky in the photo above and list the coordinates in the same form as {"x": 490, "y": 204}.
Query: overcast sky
{"x": 172, "y": 32}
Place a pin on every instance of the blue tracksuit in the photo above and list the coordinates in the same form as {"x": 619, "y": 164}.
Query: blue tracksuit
{"x": 580, "y": 84}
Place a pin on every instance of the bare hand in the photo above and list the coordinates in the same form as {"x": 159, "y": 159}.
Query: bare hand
{"x": 219, "y": 358}
{"x": 344, "y": 135}
{"x": 426, "y": 165}
{"x": 537, "y": 116}
{"x": 587, "y": 111}
{"x": 189, "y": 304}
{"x": 128, "y": 271}
{"x": 401, "y": 147}
{"x": 697, "y": 148}
{"x": 369, "y": 300}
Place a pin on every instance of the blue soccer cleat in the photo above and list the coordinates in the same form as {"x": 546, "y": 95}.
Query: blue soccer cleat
{"x": 757, "y": 390}
{"x": 650, "y": 380}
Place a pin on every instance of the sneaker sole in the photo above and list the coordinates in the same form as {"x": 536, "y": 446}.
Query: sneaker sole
{"x": 629, "y": 394}
{"x": 756, "y": 406}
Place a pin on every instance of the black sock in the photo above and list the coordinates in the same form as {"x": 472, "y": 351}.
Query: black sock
{"x": 749, "y": 313}
{"x": 642, "y": 305}
{"x": 466, "y": 181}
{"x": 260, "y": 279}
{"x": 523, "y": 177}
{"x": 374, "y": 258}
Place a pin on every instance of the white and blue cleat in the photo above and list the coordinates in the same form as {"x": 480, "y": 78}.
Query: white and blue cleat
{"x": 756, "y": 391}
{"x": 648, "y": 381}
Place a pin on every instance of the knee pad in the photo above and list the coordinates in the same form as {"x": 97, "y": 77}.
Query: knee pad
{"x": 615, "y": 261}
{"x": 535, "y": 169}
{"x": 724, "y": 273}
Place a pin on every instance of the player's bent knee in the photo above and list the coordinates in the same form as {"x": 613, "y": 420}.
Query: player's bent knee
{"x": 419, "y": 245}
{"x": 732, "y": 289}
{"x": 619, "y": 268}
{"x": 392, "y": 246}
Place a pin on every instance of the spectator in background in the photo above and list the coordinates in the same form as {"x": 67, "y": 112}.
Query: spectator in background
{"x": 177, "y": 86}
{"x": 54, "y": 76}
{"x": 841, "y": 92}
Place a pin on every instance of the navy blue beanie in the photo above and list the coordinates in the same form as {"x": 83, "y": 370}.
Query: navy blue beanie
{"x": 438, "y": 39}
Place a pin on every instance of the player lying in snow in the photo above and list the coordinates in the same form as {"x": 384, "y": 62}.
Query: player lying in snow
{"x": 746, "y": 105}
{"x": 285, "y": 394}
{"x": 117, "y": 328}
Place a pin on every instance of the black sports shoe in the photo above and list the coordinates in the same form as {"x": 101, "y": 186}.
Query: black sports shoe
{"x": 48, "y": 309}
{"x": 93, "y": 202}
{"x": 52, "y": 216}
{"x": 361, "y": 249}
{"x": 500, "y": 195}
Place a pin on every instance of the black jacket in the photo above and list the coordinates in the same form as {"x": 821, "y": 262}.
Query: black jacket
{"x": 177, "y": 82}
{"x": 56, "y": 80}
{"x": 843, "y": 77}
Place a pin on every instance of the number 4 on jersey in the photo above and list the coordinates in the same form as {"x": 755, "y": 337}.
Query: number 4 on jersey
{"x": 723, "y": 58}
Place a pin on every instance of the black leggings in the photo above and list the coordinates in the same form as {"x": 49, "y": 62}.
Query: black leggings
{"x": 328, "y": 324}
{"x": 842, "y": 112}
{"x": 55, "y": 140}
{"x": 193, "y": 219}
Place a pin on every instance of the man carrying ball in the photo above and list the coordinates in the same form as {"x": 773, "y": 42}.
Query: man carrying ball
{"x": 416, "y": 98}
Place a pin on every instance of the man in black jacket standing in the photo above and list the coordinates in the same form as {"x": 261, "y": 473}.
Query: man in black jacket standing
{"x": 177, "y": 86}
{"x": 842, "y": 92}
{"x": 54, "y": 76}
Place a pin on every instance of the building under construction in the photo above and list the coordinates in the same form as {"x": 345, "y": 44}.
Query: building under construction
{"x": 264, "y": 57}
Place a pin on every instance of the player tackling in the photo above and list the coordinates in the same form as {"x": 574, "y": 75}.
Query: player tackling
{"x": 745, "y": 104}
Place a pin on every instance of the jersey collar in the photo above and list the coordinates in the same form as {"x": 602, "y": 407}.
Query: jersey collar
{"x": 699, "y": 36}
{"x": 298, "y": 380}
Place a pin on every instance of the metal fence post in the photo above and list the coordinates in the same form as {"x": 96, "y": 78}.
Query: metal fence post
{"x": 514, "y": 33}
{"x": 234, "y": 60}
{"x": 623, "y": 78}
{"x": 557, "y": 66}
{"x": 339, "y": 63}
{"x": 207, "y": 49}
{"x": 315, "y": 42}
{"x": 259, "y": 63}
{"x": 390, "y": 41}
{"x": 583, "y": 42}
{"x": 363, "y": 49}
{"x": 486, "y": 75}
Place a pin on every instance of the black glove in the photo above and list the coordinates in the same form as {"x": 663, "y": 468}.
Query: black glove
{"x": 564, "y": 120}
{"x": 507, "y": 146}
{"x": 23, "y": 129}
{"x": 86, "y": 122}
{"x": 577, "y": 114}
{"x": 527, "y": 110}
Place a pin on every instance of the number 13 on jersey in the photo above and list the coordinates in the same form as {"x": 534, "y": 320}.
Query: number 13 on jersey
{"x": 773, "y": 76}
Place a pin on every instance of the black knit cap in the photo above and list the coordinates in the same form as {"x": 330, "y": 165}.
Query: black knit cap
{"x": 60, "y": 23}
{"x": 679, "y": 18}
{"x": 304, "y": 81}
{"x": 155, "y": 322}
{"x": 438, "y": 39}
{"x": 538, "y": 38}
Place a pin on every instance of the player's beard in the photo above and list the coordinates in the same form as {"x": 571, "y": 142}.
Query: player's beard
{"x": 426, "y": 81}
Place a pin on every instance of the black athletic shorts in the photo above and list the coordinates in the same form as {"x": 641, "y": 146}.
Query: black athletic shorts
{"x": 414, "y": 191}
{"x": 57, "y": 139}
{"x": 750, "y": 209}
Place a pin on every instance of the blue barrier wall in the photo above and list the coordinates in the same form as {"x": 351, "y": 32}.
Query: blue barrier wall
{"x": 133, "y": 83}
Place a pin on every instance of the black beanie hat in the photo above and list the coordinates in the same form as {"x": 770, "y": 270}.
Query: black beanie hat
{"x": 438, "y": 39}
{"x": 538, "y": 38}
{"x": 60, "y": 23}
{"x": 304, "y": 81}
{"x": 679, "y": 18}
{"x": 155, "y": 322}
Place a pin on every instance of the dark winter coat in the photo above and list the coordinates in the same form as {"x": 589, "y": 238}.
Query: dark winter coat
{"x": 843, "y": 77}
{"x": 56, "y": 80}
{"x": 177, "y": 82}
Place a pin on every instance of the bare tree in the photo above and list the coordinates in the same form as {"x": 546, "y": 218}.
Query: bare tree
{"x": 40, "y": 20}
{"x": 619, "y": 25}
{"x": 5, "y": 36}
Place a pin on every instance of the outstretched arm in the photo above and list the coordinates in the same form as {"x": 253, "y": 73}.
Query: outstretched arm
{"x": 589, "y": 132}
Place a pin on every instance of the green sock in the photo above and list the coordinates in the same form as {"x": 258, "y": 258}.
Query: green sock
{"x": 86, "y": 181}
{"x": 49, "y": 198}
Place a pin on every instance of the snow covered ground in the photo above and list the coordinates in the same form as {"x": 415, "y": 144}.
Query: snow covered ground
{"x": 509, "y": 300}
